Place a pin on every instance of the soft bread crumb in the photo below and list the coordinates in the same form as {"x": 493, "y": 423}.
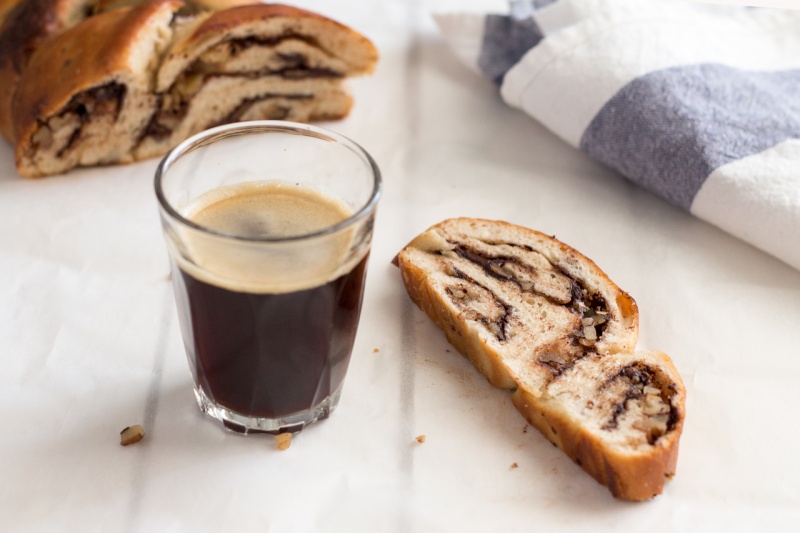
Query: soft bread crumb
{"x": 283, "y": 441}
{"x": 131, "y": 435}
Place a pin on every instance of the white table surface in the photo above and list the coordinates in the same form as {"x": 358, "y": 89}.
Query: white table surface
{"x": 89, "y": 343}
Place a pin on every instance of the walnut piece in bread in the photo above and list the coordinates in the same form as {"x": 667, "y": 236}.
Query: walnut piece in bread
{"x": 537, "y": 317}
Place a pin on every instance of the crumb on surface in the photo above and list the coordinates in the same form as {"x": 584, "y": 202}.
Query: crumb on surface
{"x": 421, "y": 438}
{"x": 375, "y": 350}
{"x": 283, "y": 441}
{"x": 514, "y": 465}
{"x": 131, "y": 435}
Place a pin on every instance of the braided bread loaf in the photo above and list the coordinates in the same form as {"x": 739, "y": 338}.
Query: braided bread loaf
{"x": 87, "y": 82}
{"x": 537, "y": 317}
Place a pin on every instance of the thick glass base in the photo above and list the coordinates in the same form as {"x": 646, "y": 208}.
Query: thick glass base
{"x": 246, "y": 424}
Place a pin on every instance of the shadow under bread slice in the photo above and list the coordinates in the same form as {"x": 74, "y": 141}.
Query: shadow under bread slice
{"x": 536, "y": 316}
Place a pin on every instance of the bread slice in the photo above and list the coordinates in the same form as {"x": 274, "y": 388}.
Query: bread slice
{"x": 537, "y": 317}
{"x": 131, "y": 82}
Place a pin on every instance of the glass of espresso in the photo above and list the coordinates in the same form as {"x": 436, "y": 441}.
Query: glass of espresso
{"x": 268, "y": 227}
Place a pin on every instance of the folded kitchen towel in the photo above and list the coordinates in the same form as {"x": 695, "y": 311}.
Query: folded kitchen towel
{"x": 698, "y": 103}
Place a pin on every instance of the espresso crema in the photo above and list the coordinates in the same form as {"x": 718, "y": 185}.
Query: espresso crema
{"x": 259, "y": 213}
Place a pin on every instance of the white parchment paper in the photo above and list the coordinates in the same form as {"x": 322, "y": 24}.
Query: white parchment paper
{"x": 89, "y": 343}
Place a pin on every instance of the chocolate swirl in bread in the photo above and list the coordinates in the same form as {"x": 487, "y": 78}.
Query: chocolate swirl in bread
{"x": 537, "y": 317}
{"x": 90, "y": 82}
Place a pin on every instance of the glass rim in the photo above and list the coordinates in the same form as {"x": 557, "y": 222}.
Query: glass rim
{"x": 260, "y": 126}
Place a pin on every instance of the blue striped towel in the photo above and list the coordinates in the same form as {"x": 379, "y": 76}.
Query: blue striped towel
{"x": 698, "y": 103}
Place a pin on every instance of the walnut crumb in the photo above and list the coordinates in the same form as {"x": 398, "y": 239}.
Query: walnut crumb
{"x": 514, "y": 465}
{"x": 283, "y": 441}
{"x": 421, "y": 439}
{"x": 131, "y": 435}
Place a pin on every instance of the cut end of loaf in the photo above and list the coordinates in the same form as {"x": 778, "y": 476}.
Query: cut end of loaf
{"x": 537, "y": 317}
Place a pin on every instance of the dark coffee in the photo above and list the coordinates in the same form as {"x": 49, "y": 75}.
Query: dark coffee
{"x": 256, "y": 348}
{"x": 271, "y": 355}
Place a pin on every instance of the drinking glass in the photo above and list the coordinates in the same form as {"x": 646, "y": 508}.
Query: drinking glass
{"x": 268, "y": 318}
